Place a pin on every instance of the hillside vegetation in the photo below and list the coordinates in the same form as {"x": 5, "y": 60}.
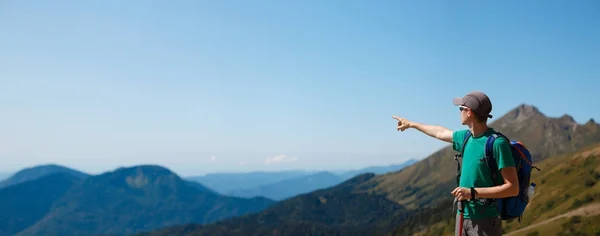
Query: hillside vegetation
{"x": 565, "y": 184}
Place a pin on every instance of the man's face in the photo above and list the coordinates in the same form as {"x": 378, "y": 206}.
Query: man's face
{"x": 464, "y": 116}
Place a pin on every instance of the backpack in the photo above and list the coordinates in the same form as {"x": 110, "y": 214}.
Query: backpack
{"x": 509, "y": 207}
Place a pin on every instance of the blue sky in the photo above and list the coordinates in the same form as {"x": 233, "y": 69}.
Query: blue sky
{"x": 209, "y": 86}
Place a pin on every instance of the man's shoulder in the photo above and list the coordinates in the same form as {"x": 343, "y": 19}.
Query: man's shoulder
{"x": 501, "y": 140}
{"x": 459, "y": 135}
{"x": 458, "y": 138}
{"x": 503, "y": 151}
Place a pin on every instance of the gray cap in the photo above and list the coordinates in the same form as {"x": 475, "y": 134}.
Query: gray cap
{"x": 478, "y": 102}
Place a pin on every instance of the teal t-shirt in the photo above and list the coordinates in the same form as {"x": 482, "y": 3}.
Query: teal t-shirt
{"x": 474, "y": 171}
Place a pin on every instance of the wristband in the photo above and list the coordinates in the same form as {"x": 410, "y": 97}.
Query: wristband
{"x": 472, "y": 193}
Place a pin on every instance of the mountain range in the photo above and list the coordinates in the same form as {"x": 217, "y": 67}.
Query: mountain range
{"x": 292, "y": 183}
{"x": 277, "y": 184}
{"x": 57, "y": 200}
{"x": 119, "y": 202}
{"x": 291, "y": 187}
{"x": 402, "y": 200}
{"x": 414, "y": 198}
{"x": 227, "y": 182}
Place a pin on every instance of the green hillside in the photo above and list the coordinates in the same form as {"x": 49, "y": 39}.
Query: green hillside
{"x": 570, "y": 182}
{"x": 567, "y": 184}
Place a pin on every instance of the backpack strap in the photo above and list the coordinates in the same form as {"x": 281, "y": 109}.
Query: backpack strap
{"x": 465, "y": 139}
{"x": 490, "y": 161}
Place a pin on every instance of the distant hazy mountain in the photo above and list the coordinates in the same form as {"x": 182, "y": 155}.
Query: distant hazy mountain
{"x": 36, "y": 172}
{"x": 22, "y": 205}
{"x": 140, "y": 198}
{"x": 285, "y": 184}
{"x": 4, "y": 176}
{"x": 227, "y": 182}
{"x": 377, "y": 169}
{"x": 291, "y": 187}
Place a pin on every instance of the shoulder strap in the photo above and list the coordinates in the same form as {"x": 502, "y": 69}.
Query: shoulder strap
{"x": 490, "y": 161}
{"x": 467, "y": 135}
{"x": 466, "y": 138}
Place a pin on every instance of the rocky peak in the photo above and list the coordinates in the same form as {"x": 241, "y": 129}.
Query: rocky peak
{"x": 519, "y": 115}
{"x": 567, "y": 122}
{"x": 591, "y": 122}
{"x": 526, "y": 111}
{"x": 567, "y": 119}
{"x": 142, "y": 176}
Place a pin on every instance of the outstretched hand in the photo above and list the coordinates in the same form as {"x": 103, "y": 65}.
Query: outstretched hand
{"x": 403, "y": 123}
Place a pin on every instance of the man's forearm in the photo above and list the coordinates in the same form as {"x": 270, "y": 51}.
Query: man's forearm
{"x": 435, "y": 131}
{"x": 510, "y": 187}
{"x": 501, "y": 191}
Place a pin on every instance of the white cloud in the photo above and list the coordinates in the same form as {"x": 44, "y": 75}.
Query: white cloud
{"x": 280, "y": 158}
{"x": 243, "y": 163}
{"x": 213, "y": 158}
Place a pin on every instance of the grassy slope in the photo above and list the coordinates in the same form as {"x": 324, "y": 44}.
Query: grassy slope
{"x": 575, "y": 225}
{"x": 566, "y": 183}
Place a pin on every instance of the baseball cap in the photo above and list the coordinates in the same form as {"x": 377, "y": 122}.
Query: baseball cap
{"x": 477, "y": 101}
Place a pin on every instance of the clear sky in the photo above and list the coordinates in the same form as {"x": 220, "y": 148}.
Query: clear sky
{"x": 210, "y": 86}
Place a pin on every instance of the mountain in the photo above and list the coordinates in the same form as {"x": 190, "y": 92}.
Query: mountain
{"x": 284, "y": 184}
{"x": 21, "y": 205}
{"x": 567, "y": 186}
{"x": 36, "y": 172}
{"x": 138, "y": 198}
{"x": 311, "y": 182}
{"x": 389, "y": 199}
{"x": 291, "y": 187}
{"x": 339, "y": 210}
{"x": 226, "y": 182}
{"x": 378, "y": 169}
{"x": 4, "y": 176}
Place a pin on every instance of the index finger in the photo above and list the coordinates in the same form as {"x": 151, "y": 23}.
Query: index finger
{"x": 397, "y": 118}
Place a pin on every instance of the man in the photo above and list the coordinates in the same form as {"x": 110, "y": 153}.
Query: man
{"x": 479, "y": 218}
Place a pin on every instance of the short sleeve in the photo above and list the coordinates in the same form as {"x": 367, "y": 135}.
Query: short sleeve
{"x": 503, "y": 153}
{"x": 457, "y": 139}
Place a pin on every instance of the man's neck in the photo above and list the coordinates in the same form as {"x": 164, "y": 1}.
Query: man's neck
{"x": 478, "y": 129}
